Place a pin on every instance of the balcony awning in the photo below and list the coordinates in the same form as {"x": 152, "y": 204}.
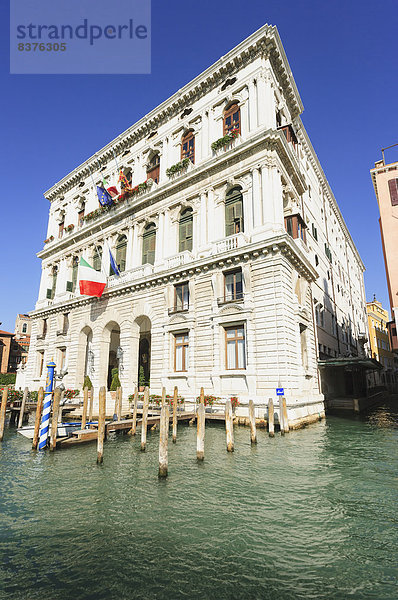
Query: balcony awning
{"x": 350, "y": 363}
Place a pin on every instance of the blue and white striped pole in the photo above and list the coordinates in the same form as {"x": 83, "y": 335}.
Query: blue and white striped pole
{"x": 45, "y": 419}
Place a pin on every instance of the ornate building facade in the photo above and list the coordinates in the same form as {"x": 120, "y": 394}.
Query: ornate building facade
{"x": 237, "y": 269}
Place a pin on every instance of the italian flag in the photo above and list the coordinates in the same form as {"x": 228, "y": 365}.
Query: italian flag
{"x": 91, "y": 282}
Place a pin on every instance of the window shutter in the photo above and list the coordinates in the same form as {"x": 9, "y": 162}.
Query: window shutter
{"x": 229, "y": 219}
{"x": 182, "y": 237}
{"x": 69, "y": 286}
{"x": 393, "y": 187}
{"x": 49, "y": 294}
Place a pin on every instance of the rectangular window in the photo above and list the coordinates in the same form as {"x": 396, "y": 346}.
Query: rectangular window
{"x": 314, "y": 232}
{"x": 235, "y": 347}
{"x": 181, "y": 347}
{"x": 61, "y": 358}
{"x": 61, "y": 229}
{"x": 295, "y": 227}
{"x": 153, "y": 170}
{"x": 393, "y": 188}
{"x": 40, "y": 363}
{"x": 233, "y": 286}
{"x": 181, "y": 297}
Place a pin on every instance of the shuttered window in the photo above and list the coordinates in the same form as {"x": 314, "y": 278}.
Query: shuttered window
{"x": 232, "y": 119}
{"x": 185, "y": 230}
{"x": 393, "y": 187}
{"x": 188, "y": 147}
{"x": 148, "y": 245}
{"x": 233, "y": 212}
{"x": 121, "y": 250}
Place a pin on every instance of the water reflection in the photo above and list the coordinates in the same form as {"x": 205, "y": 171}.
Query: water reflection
{"x": 307, "y": 515}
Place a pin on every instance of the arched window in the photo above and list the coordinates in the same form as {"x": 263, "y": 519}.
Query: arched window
{"x": 97, "y": 258}
{"x": 188, "y": 146}
{"x": 148, "y": 244}
{"x": 232, "y": 119}
{"x": 24, "y": 328}
{"x": 234, "y": 212}
{"x": 153, "y": 168}
{"x": 185, "y": 230}
{"x": 121, "y": 250}
{"x": 75, "y": 268}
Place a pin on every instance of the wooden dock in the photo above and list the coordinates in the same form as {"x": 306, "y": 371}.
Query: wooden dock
{"x": 88, "y": 435}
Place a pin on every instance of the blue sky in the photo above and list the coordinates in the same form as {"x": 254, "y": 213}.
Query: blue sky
{"x": 341, "y": 55}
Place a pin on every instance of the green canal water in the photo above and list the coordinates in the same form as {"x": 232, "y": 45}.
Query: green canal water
{"x": 309, "y": 515}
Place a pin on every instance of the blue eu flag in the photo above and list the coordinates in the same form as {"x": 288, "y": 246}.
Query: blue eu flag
{"x": 104, "y": 196}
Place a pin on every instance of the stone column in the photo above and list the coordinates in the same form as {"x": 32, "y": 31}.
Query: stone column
{"x": 211, "y": 215}
{"x": 136, "y": 252}
{"x": 247, "y": 212}
{"x": 256, "y": 198}
{"x": 277, "y": 196}
{"x": 205, "y": 145}
{"x": 244, "y": 111}
{"x": 261, "y": 100}
{"x": 159, "y": 239}
{"x": 164, "y": 161}
{"x": 267, "y": 197}
{"x": 252, "y": 105}
{"x": 269, "y": 105}
{"x": 203, "y": 220}
{"x": 129, "y": 250}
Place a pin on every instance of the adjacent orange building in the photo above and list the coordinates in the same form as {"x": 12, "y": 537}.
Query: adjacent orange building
{"x": 5, "y": 348}
{"x": 385, "y": 182}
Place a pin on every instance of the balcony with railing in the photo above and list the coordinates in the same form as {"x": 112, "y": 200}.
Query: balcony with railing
{"x": 182, "y": 258}
{"x": 232, "y": 242}
{"x": 230, "y": 298}
{"x": 130, "y": 275}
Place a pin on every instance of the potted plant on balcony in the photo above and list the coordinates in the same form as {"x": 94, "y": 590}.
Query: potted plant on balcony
{"x": 115, "y": 383}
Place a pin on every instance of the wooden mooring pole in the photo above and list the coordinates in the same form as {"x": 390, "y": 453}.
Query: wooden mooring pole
{"x": 3, "y": 412}
{"x": 163, "y": 396}
{"x": 252, "y": 419}
{"x": 101, "y": 424}
{"x": 285, "y": 419}
{"x": 91, "y": 404}
{"x": 229, "y": 426}
{"x": 175, "y": 404}
{"x": 200, "y": 432}
{"x": 54, "y": 421}
{"x": 39, "y": 408}
{"x": 85, "y": 403}
{"x": 119, "y": 400}
{"x": 281, "y": 424}
{"x": 202, "y": 396}
{"x": 271, "y": 426}
{"x": 163, "y": 441}
{"x": 144, "y": 419}
{"x": 60, "y": 406}
{"x": 22, "y": 409}
{"x": 133, "y": 429}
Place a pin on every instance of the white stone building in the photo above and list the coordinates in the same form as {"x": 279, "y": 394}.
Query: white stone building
{"x": 238, "y": 270}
